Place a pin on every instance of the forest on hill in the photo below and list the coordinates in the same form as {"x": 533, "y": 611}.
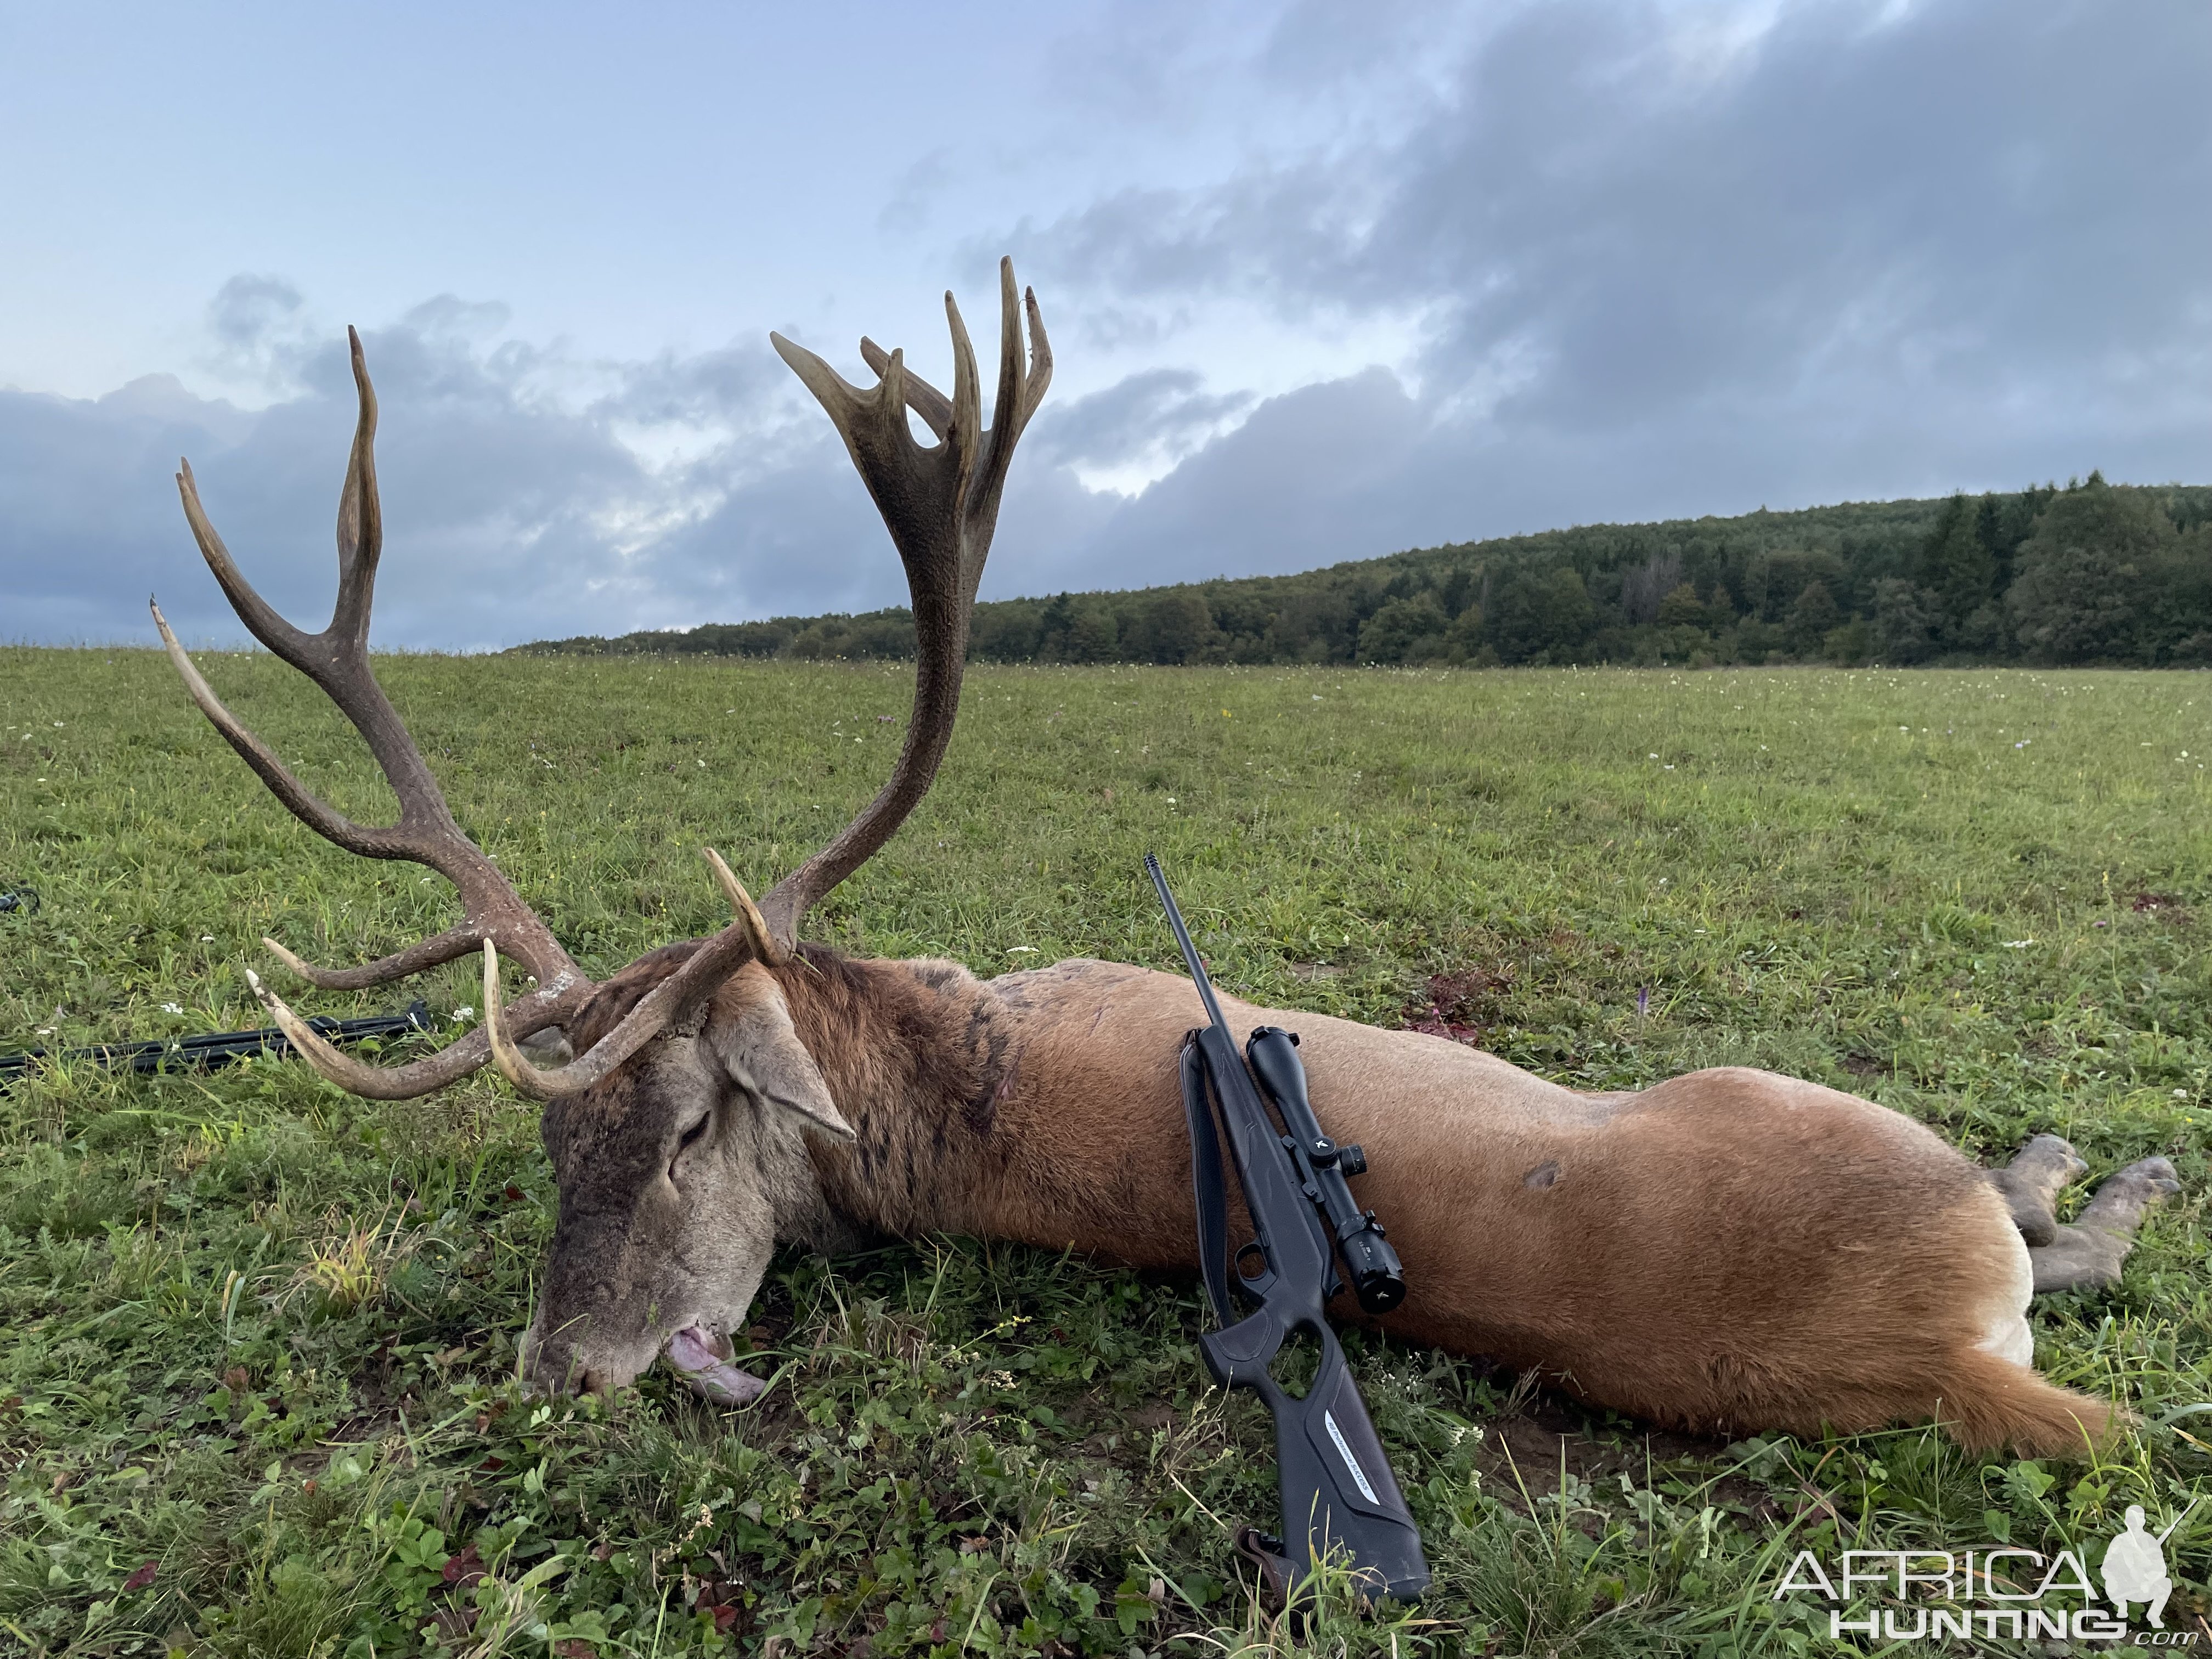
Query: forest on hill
{"x": 2092, "y": 573}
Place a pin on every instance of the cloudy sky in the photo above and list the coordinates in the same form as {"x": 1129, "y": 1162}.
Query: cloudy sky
{"x": 1323, "y": 280}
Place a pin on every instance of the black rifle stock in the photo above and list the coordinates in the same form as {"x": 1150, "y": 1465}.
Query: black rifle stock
{"x": 1338, "y": 1495}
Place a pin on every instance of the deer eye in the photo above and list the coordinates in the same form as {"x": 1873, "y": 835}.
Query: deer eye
{"x": 690, "y": 1138}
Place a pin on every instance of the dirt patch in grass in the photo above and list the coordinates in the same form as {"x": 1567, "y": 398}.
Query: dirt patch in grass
{"x": 1459, "y": 1005}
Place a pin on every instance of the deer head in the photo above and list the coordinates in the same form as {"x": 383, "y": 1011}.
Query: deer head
{"x": 677, "y": 1131}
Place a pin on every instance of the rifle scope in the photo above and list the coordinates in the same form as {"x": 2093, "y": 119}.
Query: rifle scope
{"x": 1378, "y": 1279}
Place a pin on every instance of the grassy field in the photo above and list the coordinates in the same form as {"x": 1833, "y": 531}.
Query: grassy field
{"x": 256, "y": 1337}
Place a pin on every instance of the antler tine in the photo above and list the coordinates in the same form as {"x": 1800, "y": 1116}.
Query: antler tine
{"x": 360, "y": 540}
{"x": 330, "y": 825}
{"x": 337, "y": 661}
{"x": 1039, "y": 379}
{"x": 439, "y": 949}
{"x": 449, "y": 1065}
{"x": 260, "y": 617}
{"x": 1019, "y": 391}
{"x": 940, "y": 505}
{"x": 934, "y": 408}
{"x": 1006, "y": 412}
{"x": 966, "y": 437}
{"x": 677, "y": 1003}
{"x": 1028, "y": 391}
{"x": 749, "y": 916}
{"x": 361, "y": 511}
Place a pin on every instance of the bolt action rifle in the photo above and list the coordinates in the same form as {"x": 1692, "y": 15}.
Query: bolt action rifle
{"x": 215, "y": 1048}
{"x": 1338, "y": 1497}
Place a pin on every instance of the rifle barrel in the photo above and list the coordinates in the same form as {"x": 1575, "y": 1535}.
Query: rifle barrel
{"x": 1189, "y": 951}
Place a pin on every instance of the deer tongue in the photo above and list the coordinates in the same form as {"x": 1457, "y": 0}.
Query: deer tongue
{"x": 711, "y": 1377}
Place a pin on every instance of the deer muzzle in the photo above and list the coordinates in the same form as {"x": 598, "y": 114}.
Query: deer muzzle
{"x": 694, "y": 1353}
{"x": 691, "y": 1355}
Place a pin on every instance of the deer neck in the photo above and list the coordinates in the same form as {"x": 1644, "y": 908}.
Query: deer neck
{"x": 920, "y": 1057}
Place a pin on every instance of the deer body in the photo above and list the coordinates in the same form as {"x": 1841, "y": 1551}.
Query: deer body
{"x": 1728, "y": 1250}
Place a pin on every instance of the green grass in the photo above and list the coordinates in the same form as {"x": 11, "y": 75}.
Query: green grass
{"x": 261, "y": 1335}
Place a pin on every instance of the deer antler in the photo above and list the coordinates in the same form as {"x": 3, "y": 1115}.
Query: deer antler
{"x": 677, "y": 1003}
{"x": 337, "y": 660}
{"x": 941, "y": 506}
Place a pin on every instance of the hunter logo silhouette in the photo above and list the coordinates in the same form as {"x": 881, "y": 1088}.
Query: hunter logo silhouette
{"x": 2134, "y": 1567}
{"x": 1996, "y": 1591}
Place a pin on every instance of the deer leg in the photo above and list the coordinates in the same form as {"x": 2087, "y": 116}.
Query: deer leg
{"x": 2086, "y": 1255}
{"x": 2030, "y": 1184}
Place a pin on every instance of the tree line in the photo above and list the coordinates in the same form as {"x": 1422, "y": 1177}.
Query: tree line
{"x": 2092, "y": 573}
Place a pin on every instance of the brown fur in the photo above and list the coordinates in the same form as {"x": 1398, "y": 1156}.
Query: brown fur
{"x": 1731, "y": 1251}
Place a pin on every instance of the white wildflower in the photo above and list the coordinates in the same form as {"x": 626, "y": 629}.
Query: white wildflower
{"x": 462, "y": 1016}
{"x": 172, "y": 1008}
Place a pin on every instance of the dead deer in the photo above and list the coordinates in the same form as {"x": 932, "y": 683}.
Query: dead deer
{"x": 1729, "y": 1251}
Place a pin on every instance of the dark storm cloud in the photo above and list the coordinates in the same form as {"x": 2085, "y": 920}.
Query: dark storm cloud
{"x": 1651, "y": 260}
{"x": 1866, "y": 251}
{"x": 81, "y": 484}
{"x": 1158, "y": 411}
{"x": 1306, "y": 480}
{"x": 508, "y": 514}
{"x": 490, "y": 497}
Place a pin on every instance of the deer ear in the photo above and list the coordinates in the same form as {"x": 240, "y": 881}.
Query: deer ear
{"x": 757, "y": 1046}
